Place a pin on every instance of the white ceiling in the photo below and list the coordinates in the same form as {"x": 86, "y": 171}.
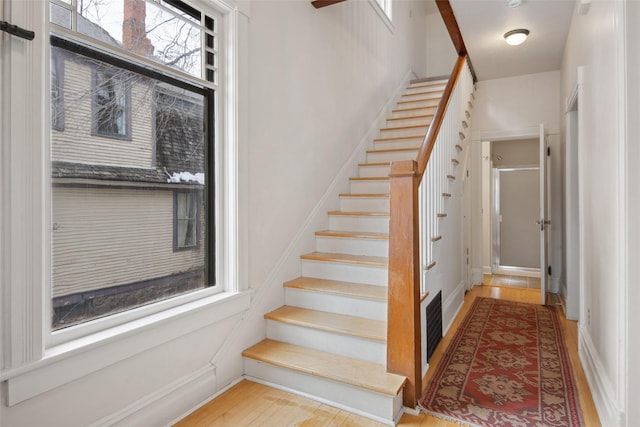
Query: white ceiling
{"x": 484, "y": 22}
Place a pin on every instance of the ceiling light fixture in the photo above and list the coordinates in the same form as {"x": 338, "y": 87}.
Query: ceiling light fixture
{"x": 514, "y": 3}
{"x": 516, "y": 37}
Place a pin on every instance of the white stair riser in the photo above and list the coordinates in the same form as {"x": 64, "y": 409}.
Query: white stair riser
{"x": 421, "y": 95}
{"x": 389, "y": 156}
{"x": 364, "y": 204}
{"x": 352, "y": 246}
{"x": 396, "y": 132}
{"x": 357, "y": 273}
{"x": 425, "y": 87}
{"x": 410, "y": 121}
{"x": 380, "y": 407}
{"x": 369, "y": 187}
{"x": 373, "y": 171}
{"x": 336, "y": 303}
{"x": 374, "y": 224}
{"x": 403, "y": 112}
{"x": 397, "y": 144}
{"x": 418, "y": 104}
{"x": 330, "y": 342}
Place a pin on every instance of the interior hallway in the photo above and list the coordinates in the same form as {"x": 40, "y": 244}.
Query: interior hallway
{"x": 252, "y": 404}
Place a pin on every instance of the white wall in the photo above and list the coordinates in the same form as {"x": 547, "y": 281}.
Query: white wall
{"x": 318, "y": 79}
{"x": 311, "y": 84}
{"x": 633, "y": 212}
{"x": 513, "y": 108}
{"x": 596, "y": 42}
{"x": 441, "y": 55}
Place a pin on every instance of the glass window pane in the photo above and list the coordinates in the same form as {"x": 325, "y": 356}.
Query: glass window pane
{"x": 60, "y": 15}
{"x": 116, "y": 219}
{"x": 162, "y": 33}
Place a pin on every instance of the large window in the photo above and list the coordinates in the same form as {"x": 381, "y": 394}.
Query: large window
{"x": 133, "y": 189}
{"x": 81, "y": 234}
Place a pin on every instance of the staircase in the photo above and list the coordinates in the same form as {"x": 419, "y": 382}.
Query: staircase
{"x": 329, "y": 341}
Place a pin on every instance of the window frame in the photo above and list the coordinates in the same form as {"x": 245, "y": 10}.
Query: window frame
{"x": 96, "y": 107}
{"x": 33, "y": 362}
{"x": 384, "y": 9}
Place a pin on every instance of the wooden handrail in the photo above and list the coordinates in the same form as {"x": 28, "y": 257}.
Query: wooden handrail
{"x": 438, "y": 117}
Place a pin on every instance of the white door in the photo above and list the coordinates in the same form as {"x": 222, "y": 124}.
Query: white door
{"x": 543, "y": 222}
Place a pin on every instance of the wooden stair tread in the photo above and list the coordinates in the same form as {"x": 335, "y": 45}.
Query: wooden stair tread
{"x": 369, "y": 178}
{"x": 375, "y": 164}
{"x": 424, "y": 92}
{"x": 391, "y": 150}
{"x": 377, "y": 261}
{"x": 339, "y": 287}
{"x": 400, "y": 110}
{"x": 424, "y": 125}
{"x": 353, "y": 234}
{"x": 398, "y": 138}
{"x": 331, "y": 322}
{"x": 429, "y": 81}
{"x": 371, "y": 195}
{"x": 421, "y": 116}
{"x": 353, "y": 213}
{"x": 367, "y": 375}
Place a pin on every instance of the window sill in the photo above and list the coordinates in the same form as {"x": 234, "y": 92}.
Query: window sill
{"x": 66, "y": 362}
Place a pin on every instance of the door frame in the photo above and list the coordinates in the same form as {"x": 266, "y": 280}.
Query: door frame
{"x": 532, "y": 132}
{"x": 575, "y": 308}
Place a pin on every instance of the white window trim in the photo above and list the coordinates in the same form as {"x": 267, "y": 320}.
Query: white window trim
{"x": 32, "y": 362}
{"x": 384, "y": 13}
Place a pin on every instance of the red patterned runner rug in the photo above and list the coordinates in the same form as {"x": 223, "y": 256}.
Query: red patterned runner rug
{"x": 507, "y": 365}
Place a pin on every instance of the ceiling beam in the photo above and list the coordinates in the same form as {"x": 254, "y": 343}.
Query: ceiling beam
{"x": 449, "y": 18}
{"x": 322, "y": 3}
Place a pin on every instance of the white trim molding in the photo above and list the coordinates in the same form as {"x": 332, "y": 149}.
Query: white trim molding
{"x": 25, "y": 168}
{"x": 601, "y": 388}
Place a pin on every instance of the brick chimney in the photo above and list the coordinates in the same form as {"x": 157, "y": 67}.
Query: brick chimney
{"x": 134, "y": 37}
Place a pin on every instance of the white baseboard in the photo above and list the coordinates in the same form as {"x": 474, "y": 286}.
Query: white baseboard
{"x": 161, "y": 406}
{"x": 601, "y": 388}
{"x": 476, "y": 276}
{"x": 451, "y": 306}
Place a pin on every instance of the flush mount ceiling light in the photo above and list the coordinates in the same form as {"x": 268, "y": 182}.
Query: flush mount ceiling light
{"x": 516, "y": 37}
{"x": 514, "y": 3}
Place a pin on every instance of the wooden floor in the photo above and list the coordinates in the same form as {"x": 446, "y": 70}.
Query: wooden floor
{"x": 253, "y": 404}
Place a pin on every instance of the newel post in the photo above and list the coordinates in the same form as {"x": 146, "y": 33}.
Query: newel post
{"x": 403, "y": 319}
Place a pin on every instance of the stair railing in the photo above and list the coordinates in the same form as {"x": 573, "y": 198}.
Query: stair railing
{"x": 406, "y": 263}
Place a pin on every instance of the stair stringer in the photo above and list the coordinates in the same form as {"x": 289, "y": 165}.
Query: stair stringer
{"x": 269, "y": 294}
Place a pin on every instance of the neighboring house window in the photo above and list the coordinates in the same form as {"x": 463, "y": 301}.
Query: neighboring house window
{"x": 186, "y": 220}
{"x": 111, "y": 106}
{"x": 57, "y": 91}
